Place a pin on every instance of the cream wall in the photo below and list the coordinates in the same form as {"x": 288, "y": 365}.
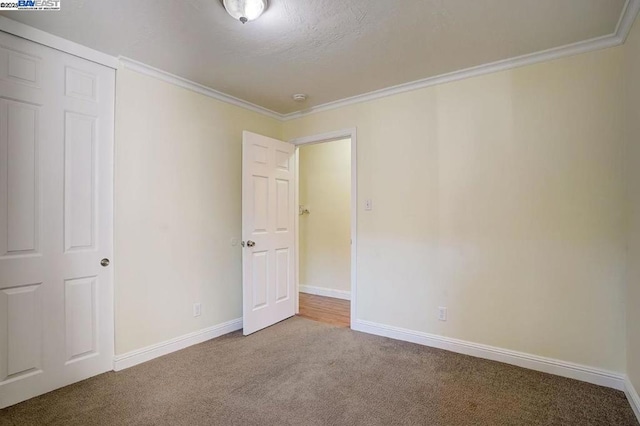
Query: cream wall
{"x": 325, "y": 233}
{"x": 502, "y": 198}
{"x": 632, "y": 98}
{"x": 177, "y": 206}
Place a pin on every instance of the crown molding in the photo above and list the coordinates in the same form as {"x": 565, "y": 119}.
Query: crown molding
{"x": 196, "y": 87}
{"x": 618, "y": 37}
{"x": 21, "y": 30}
{"x": 627, "y": 18}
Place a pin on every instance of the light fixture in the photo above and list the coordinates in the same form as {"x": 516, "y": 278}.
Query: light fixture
{"x": 245, "y": 10}
{"x": 299, "y": 97}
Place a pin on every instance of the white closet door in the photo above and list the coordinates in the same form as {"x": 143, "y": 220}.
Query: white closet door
{"x": 56, "y": 219}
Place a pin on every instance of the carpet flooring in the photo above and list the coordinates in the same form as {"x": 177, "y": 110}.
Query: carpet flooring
{"x": 301, "y": 372}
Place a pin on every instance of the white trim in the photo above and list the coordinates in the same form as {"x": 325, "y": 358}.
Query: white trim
{"x": 632, "y": 396}
{"x": 351, "y": 133}
{"x": 120, "y": 362}
{"x": 325, "y": 291}
{"x": 38, "y": 36}
{"x": 533, "y": 362}
{"x": 196, "y": 87}
{"x": 296, "y": 224}
{"x": 506, "y": 64}
{"x": 325, "y": 137}
{"x": 627, "y": 17}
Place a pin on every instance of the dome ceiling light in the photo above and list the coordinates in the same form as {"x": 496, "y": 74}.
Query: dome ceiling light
{"x": 245, "y": 10}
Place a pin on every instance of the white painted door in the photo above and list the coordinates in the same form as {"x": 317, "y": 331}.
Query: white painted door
{"x": 56, "y": 219}
{"x": 268, "y": 213}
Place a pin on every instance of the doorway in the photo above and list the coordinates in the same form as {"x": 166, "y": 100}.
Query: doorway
{"x": 325, "y": 227}
{"x": 270, "y": 196}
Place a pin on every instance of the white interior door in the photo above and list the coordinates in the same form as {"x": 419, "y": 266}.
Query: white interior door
{"x": 56, "y": 219}
{"x": 268, "y": 213}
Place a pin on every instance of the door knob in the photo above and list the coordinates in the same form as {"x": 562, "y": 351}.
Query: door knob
{"x": 250, "y": 243}
{"x": 104, "y": 262}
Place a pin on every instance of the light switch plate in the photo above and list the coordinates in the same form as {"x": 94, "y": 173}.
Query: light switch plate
{"x": 442, "y": 313}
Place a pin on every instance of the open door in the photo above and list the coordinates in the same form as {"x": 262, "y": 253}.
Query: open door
{"x": 268, "y": 214}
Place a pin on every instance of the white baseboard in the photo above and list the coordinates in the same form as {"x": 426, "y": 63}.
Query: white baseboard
{"x": 120, "y": 362}
{"x": 533, "y": 362}
{"x": 328, "y": 292}
{"x": 521, "y": 359}
{"x": 632, "y": 396}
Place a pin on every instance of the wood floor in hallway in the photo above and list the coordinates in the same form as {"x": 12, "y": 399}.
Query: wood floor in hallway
{"x": 328, "y": 310}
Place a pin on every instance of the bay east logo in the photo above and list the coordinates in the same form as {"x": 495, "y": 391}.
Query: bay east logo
{"x": 30, "y": 5}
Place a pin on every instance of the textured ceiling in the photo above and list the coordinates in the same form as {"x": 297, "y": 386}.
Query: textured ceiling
{"x": 329, "y": 49}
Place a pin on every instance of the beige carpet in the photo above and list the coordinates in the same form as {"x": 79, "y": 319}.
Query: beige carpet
{"x": 301, "y": 372}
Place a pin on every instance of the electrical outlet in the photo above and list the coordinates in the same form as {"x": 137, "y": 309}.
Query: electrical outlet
{"x": 442, "y": 313}
{"x": 197, "y": 309}
{"x": 368, "y": 204}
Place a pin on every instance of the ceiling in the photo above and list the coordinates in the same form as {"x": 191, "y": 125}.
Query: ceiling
{"x": 328, "y": 49}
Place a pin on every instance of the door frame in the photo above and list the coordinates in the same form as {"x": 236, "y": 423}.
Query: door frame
{"x": 316, "y": 139}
